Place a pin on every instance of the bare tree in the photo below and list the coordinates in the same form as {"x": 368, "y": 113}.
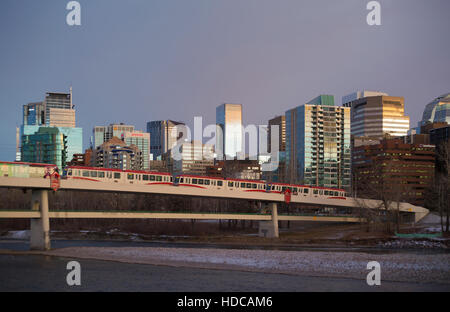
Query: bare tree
{"x": 442, "y": 183}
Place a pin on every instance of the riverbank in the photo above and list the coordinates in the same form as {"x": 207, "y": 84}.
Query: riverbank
{"x": 399, "y": 267}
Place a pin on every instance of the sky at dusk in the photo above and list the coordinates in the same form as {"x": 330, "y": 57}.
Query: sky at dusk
{"x": 139, "y": 60}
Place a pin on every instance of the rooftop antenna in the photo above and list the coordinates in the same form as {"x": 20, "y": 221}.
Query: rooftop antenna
{"x": 71, "y": 105}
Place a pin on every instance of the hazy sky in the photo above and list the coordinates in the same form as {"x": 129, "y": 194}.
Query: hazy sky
{"x": 139, "y": 60}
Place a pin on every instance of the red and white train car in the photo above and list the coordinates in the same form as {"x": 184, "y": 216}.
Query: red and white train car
{"x": 198, "y": 182}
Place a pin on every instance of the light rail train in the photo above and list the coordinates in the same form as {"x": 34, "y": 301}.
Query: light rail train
{"x": 33, "y": 170}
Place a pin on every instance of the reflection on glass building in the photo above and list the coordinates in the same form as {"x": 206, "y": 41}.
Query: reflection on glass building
{"x": 375, "y": 114}
{"x": 318, "y": 144}
{"x": 437, "y": 111}
{"x": 47, "y": 145}
{"x": 56, "y": 111}
{"x": 229, "y": 140}
{"x": 164, "y": 135}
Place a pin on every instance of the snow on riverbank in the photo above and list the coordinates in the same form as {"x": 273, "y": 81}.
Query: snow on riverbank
{"x": 23, "y": 235}
{"x": 394, "y": 267}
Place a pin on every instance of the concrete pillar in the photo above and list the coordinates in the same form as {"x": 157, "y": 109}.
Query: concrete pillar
{"x": 269, "y": 229}
{"x": 40, "y": 228}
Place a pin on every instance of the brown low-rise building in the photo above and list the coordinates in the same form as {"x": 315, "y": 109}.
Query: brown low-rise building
{"x": 393, "y": 170}
{"x": 236, "y": 169}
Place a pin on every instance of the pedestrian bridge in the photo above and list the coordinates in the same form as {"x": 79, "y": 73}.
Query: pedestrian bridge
{"x": 40, "y": 215}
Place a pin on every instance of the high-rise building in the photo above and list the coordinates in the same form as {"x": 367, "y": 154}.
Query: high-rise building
{"x": 196, "y": 157}
{"x": 279, "y": 121}
{"x": 48, "y": 145}
{"x": 103, "y": 134}
{"x": 375, "y": 114}
{"x": 437, "y": 110}
{"x": 57, "y": 110}
{"x": 229, "y": 141}
{"x": 164, "y": 135}
{"x": 142, "y": 141}
{"x": 277, "y": 175}
{"x": 34, "y": 114}
{"x": 318, "y": 144}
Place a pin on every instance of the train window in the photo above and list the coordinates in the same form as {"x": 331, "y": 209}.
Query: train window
{"x": 194, "y": 181}
{"x": 145, "y": 177}
{"x": 242, "y": 185}
{"x": 254, "y": 185}
{"x": 273, "y": 187}
{"x": 230, "y": 184}
{"x": 181, "y": 180}
{"x": 101, "y": 174}
{"x": 248, "y": 185}
{"x": 336, "y": 194}
{"x": 69, "y": 172}
{"x": 315, "y": 192}
{"x": 327, "y": 193}
{"x": 85, "y": 173}
{"x": 294, "y": 190}
{"x": 171, "y": 179}
{"x": 219, "y": 183}
{"x": 306, "y": 191}
{"x": 158, "y": 178}
{"x": 94, "y": 174}
{"x": 206, "y": 182}
{"x": 116, "y": 175}
{"x": 200, "y": 181}
{"x": 283, "y": 189}
{"x": 152, "y": 178}
{"x": 130, "y": 176}
{"x": 320, "y": 192}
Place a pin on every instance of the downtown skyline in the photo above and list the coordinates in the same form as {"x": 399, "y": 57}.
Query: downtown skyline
{"x": 267, "y": 63}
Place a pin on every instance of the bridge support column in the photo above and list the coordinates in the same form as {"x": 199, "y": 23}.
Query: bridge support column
{"x": 40, "y": 228}
{"x": 269, "y": 229}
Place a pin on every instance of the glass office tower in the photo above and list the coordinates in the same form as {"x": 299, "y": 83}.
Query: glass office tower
{"x": 375, "y": 114}
{"x": 55, "y": 111}
{"x": 229, "y": 141}
{"x": 164, "y": 135}
{"x": 437, "y": 111}
{"x": 48, "y": 145}
{"x": 318, "y": 144}
{"x": 142, "y": 141}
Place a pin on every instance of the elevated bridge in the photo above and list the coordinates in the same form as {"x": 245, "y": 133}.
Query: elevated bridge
{"x": 40, "y": 214}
